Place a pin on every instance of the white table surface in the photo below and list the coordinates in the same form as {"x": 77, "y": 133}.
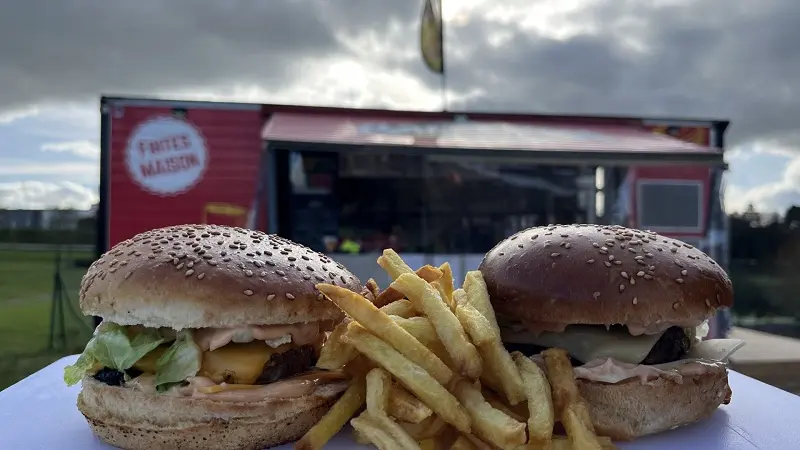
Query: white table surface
{"x": 39, "y": 412}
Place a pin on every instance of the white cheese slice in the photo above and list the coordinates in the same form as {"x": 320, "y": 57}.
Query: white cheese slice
{"x": 715, "y": 349}
{"x": 590, "y": 342}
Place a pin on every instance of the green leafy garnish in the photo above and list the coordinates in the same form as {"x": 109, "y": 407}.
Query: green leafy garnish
{"x": 181, "y": 361}
{"x": 112, "y": 347}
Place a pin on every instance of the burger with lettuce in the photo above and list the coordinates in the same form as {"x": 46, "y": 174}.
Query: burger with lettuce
{"x": 208, "y": 339}
{"x": 631, "y": 307}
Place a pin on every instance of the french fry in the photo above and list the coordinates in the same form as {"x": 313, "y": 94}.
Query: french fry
{"x": 372, "y": 287}
{"x": 393, "y": 264}
{"x": 563, "y": 443}
{"x": 412, "y": 376}
{"x": 428, "y": 428}
{"x": 336, "y": 417}
{"x": 378, "y": 323}
{"x": 478, "y": 443}
{"x": 379, "y": 384}
{"x": 567, "y": 401}
{"x": 359, "y": 438}
{"x": 499, "y": 362}
{"x": 489, "y": 423}
{"x": 401, "y": 308}
{"x": 474, "y": 323}
{"x": 419, "y": 327}
{"x": 541, "y": 416}
{"x": 511, "y": 411}
{"x": 405, "y": 407}
{"x": 562, "y": 380}
{"x": 478, "y": 297}
{"x": 581, "y": 433}
{"x": 335, "y": 353}
{"x": 373, "y": 429}
{"x": 359, "y": 366}
{"x": 462, "y": 443}
{"x": 447, "y": 283}
{"x": 425, "y": 298}
{"x": 427, "y": 273}
{"x": 446, "y": 298}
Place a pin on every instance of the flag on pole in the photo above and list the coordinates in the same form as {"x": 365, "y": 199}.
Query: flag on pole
{"x": 431, "y": 36}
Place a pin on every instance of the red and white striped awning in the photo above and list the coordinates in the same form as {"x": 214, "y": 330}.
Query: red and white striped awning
{"x": 585, "y": 143}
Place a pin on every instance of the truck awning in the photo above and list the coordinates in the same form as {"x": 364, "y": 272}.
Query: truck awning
{"x": 543, "y": 142}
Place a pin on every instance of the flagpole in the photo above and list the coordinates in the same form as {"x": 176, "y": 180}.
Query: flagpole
{"x": 445, "y": 105}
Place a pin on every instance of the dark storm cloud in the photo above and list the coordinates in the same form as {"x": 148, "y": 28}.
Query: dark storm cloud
{"x": 709, "y": 58}
{"x": 734, "y": 59}
{"x": 74, "y": 49}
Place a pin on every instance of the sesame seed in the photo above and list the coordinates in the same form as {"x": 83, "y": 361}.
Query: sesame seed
{"x": 248, "y": 292}
{"x": 679, "y": 280}
{"x": 596, "y": 295}
{"x": 568, "y": 245}
{"x": 151, "y": 256}
{"x": 610, "y": 257}
{"x": 624, "y": 275}
{"x": 595, "y": 245}
{"x": 632, "y": 250}
{"x": 555, "y": 254}
{"x": 190, "y": 264}
{"x": 289, "y": 296}
{"x": 280, "y": 273}
{"x": 708, "y": 303}
{"x": 248, "y": 273}
{"x": 673, "y": 250}
{"x": 684, "y": 272}
{"x": 607, "y": 263}
{"x": 635, "y": 300}
{"x": 179, "y": 266}
{"x": 648, "y": 277}
{"x": 676, "y": 305}
{"x": 226, "y": 259}
{"x": 188, "y": 273}
{"x": 127, "y": 275}
{"x": 621, "y": 287}
{"x": 591, "y": 261}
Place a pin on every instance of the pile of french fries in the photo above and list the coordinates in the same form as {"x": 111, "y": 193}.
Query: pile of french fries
{"x": 429, "y": 371}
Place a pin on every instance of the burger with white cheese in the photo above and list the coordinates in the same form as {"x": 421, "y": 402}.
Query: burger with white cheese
{"x": 631, "y": 308}
{"x": 208, "y": 340}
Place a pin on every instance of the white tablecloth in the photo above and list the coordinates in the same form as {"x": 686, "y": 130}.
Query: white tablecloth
{"x": 39, "y": 413}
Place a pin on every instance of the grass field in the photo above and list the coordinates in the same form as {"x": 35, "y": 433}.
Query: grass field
{"x": 26, "y": 286}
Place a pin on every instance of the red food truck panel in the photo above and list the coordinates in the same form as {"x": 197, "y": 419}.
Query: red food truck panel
{"x": 172, "y": 166}
{"x": 692, "y": 183}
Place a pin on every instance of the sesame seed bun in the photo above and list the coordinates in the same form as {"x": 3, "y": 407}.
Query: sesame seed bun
{"x": 195, "y": 276}
{"x": 550, "y": 277}
{"x": 131, "y": 419}
{"x": 630, "y": 409}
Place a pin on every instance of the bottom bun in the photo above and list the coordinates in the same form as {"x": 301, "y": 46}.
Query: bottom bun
{"x": 131, "y": 419}
{"x": 630, "y": 409}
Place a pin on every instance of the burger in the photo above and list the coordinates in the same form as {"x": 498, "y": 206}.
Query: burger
{"x": 208, "y": 340}
{"x": 631, "y": 308}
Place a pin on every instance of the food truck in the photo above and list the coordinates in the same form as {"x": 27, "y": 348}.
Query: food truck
{"x": 435, "y": 186}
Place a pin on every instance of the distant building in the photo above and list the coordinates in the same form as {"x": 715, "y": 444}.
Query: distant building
{"x": 42, "y": 219}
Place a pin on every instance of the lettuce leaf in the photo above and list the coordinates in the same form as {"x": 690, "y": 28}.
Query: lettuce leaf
{"x": 181, "y": 361}
{"x": 112, "y": 347}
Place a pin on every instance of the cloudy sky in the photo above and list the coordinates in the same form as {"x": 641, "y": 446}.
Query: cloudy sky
{"x": 734, "y": 59}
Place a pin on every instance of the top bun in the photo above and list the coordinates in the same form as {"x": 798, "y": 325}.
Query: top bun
{"x": 550, "y": 277}
{"x": 195, "y": 276}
